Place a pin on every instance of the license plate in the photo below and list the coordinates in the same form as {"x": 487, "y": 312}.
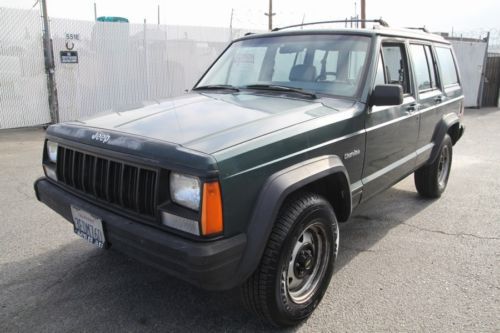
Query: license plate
{"x": 88, "y": 226}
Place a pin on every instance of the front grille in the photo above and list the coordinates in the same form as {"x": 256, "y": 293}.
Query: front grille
{"x": 115, "y": 182}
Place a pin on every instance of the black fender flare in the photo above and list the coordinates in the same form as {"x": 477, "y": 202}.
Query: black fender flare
{"x": 443, "y": 126}
{"x": 272, "y": 195}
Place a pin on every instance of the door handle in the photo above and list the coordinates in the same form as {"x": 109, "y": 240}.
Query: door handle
{"x": 410, "y": 109}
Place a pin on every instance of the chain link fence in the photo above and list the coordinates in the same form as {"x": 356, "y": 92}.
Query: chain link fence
{"x": 23, "y": 83}
{"x": 115, "y": 66}
{"x": 494, "y": 40}
{"x": 121, "y": 65}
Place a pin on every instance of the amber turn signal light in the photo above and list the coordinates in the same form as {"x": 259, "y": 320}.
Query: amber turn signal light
{"x": 211, "y": 210}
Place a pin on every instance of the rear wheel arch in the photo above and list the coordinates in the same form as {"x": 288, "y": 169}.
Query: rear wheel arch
{"x": 454, "y": 132}
{"x": 449, "y": 124}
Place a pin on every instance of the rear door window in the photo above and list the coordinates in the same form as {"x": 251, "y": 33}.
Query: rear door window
{"x": 447, "y": 64}
{"x": 423, "y": 64}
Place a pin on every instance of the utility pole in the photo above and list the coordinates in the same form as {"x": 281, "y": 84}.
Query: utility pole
{"x": 158, "y": 14}
{"x": 270, "y": 14}
{"x": 363, "y": 13}
{"x": 231, "y": 25}
{"x": 49, "y": 65}
{"x": 95, "y": 12}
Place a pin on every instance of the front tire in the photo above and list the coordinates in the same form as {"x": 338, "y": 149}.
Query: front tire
{"x": 431, "y": 180}
{"x": 297, "y": 264}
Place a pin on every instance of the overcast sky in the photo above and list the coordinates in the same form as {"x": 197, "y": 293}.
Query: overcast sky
{"x": 437, "y": 15}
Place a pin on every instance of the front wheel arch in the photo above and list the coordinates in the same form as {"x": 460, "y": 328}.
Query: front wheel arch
{"x": 307, "y": 175}
{"x": 269, "y": 292}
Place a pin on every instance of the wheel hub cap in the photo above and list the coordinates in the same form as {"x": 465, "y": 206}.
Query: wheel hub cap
{"x": 304, "y": 262}
{"x": 307, "y": 264}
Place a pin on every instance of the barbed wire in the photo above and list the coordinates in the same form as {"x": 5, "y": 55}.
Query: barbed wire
{"x": 494, "y": 36}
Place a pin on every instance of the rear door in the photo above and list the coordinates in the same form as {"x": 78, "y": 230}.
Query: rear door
{"x": 392, "y": 131}
{"x": 430, "y": 96}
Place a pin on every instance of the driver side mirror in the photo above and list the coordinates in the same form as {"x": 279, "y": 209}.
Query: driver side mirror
{"x": 386, "y": 94}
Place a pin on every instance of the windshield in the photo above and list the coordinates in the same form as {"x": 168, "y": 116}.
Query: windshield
{"x": 328, "y": 64}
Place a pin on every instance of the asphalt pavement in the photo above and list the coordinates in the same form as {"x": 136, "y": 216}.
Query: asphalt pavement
{"x": 405, "y": 263}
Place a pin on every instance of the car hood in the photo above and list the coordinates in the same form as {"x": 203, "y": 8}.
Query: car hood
{"x": 213, "y": 122}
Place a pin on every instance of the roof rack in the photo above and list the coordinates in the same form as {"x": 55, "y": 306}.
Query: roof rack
{"x": 380, "y": 21}
{"x": 424, "y": 29}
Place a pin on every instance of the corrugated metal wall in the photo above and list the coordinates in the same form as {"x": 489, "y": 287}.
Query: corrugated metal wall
{"x": 23, "y": 82}
{"x": 470, "y": 57}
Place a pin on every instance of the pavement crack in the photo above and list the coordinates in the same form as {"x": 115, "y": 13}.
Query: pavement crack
{"x": 459, "y": 234}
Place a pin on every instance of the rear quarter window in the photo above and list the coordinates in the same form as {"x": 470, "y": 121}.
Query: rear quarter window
{"x": 447, "y": 64}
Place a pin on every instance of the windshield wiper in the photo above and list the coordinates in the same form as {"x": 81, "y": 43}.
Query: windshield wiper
{"x": 217, "y": 87}
{"x": 275, "y": 87}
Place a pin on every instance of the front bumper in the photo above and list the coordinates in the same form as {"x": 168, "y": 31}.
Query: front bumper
{"x": 210, "y": 265}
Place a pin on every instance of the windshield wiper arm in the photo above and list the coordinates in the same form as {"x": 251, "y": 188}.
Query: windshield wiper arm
{"x": 275, "y": 87}
{"x": 217, "y": 87}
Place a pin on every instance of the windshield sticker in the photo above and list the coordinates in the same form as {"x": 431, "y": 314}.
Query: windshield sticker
{"x": 244, "y": 58}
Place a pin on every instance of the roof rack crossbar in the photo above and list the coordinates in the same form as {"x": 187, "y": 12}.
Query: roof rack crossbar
{"x": 424, "y": 29}
{"x": 380, "y": 21}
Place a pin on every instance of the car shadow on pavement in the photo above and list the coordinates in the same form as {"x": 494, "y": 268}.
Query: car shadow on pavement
{"x": 78, "y": 287}
{"x": 374, "y": 219}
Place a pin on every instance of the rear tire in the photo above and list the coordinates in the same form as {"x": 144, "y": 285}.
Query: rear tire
{"x": 431, "y": 180}
{"x": 297, "y": 264}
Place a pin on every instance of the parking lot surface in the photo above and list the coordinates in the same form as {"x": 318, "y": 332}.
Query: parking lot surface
{"x": 405, "y": 263}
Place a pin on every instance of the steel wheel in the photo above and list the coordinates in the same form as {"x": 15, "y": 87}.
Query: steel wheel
{"x": 297, "y": 264}
{"x": 307, "y": 264}
{"x": 444, "y": 166}
{"x": 431, "y": 179}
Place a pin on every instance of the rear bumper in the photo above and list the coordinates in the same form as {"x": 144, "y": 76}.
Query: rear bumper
{"x": 209, "y": 265}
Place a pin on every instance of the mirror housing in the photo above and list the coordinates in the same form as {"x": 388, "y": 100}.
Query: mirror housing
{"x": 386, "y": 94}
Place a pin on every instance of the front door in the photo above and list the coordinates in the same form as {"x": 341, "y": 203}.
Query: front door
{"x": 391, "y": 131}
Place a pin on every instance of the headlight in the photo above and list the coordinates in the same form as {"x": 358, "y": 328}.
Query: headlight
{"x": 52, "y": 151}
{"x": 185, "y": 190}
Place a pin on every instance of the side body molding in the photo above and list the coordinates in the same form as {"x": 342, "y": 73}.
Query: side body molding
{"x": 442, "y": 128}
{"x": 272, "y": 196}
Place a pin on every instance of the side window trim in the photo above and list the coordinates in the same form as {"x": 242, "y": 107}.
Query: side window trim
{"x": 381, "y": 59}
{"x": 437, "y": 78}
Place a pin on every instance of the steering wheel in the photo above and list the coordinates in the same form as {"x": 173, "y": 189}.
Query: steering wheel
{"x": 325, "y": 75}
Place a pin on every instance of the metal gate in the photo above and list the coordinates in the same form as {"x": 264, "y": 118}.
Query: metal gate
{"x": 491, "y": 88}
{"x": 470, "y": 56}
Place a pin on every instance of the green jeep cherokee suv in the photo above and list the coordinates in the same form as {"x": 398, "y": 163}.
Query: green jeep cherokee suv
{"x": 243, "y": 181}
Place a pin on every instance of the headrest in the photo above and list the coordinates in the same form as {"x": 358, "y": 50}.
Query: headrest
{"x": 302, "y": 73}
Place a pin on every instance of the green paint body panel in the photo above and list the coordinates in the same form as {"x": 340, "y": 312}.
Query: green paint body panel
{"x": 244, "y": 138}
